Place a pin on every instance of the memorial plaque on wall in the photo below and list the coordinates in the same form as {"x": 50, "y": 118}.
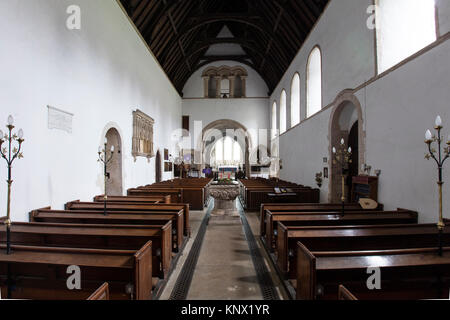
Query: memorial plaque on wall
{"x": 59, "y": 119}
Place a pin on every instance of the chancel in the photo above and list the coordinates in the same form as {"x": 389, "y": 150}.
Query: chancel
{"x": 224, "y": 150}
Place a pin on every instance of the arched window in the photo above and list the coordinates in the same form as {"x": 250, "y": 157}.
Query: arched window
{"x": 227, "y": 151}
{"x": 283, "y": 112}
{"x": 295, "y": 100}
{"x": 403, "y": 28}
{"x": 274, "y": 120}
{"x": 314, "y": 83}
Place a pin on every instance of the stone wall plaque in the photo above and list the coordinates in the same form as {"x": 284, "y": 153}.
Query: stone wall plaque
{"x": 59, "y": 119}
{"x": 142, "y": 145}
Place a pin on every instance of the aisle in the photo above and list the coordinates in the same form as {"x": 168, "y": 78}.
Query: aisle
{"x": 225, "y": 269}
{"x": 223, "y": 261}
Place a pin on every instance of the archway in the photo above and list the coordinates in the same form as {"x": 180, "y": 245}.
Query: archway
{"x": 158, "y": 174}
{"x": 221, "y": 128}
{"x": 114, "y": 183}
{"x": 346, "y": 123}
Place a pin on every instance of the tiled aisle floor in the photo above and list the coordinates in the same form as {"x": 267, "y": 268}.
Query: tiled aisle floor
{"x": 224, "y": 270}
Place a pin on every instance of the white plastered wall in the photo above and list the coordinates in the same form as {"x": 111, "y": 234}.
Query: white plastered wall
{"x": 101, "y": 74}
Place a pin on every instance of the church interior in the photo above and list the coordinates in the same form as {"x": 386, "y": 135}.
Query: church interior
{"x": 224, "y": 150}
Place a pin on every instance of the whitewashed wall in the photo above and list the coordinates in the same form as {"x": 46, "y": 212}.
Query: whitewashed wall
{"x": 251, "y": 112}
{"x": 397, "y": 108}
{"x": 100, "y": 73}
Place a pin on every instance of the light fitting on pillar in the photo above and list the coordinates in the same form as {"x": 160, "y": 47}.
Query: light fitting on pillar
{"x": 105, "y": 159}
{"x": 342, "y": 156}
{"x": 10, "y": 153}
{"x": 439, "y": 156}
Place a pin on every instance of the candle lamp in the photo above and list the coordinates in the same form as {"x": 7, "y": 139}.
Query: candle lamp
{"x": 439, "y": 155}
{"x": 342, "y": 156}
{"x": 10, "y": 153}
{"x": 105, "y": 159}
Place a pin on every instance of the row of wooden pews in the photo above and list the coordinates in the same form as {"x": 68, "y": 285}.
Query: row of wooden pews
{"x": 133, "y": 247}
{"x": 254, "y": 192}
{"x": 326, "y": 255}
{"x": 189, "y": 190}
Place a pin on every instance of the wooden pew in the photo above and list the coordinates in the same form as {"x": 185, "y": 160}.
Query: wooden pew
{"x": 405, "y": 273}
{"x": 334, "y": 219}
{"x": 101, "y": 293}
{"x": 115, "y": 217}
{"x": 41, "y": 272}
{"x": 345, "y": 295}
{"x": 346, "y": 238}
{"x": 116, "y": 237}
{"x": 306, "y": 207}
{"x": 134, "y": 207}
{"x": 148, "y": 199}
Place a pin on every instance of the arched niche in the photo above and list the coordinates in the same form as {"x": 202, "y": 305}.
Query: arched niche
{"x": 346, "y": 123}
{"x": 114, "y": 185}
{"x": 158, "y": 167}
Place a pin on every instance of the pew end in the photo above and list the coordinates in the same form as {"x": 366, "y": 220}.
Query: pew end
{"x": 101, "y": 293}
{"x": 345, "y": 294}
{"x": 306, "y": 273}
{"x": 144, "y": 280}
{"x": 32, "y": 214}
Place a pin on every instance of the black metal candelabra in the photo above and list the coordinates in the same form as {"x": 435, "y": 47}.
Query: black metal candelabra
{"x": 439, "y": 155}
{"x": 103, "y": 158}
{"x": 342, "y": 156}
{"x": 10, "y": 154}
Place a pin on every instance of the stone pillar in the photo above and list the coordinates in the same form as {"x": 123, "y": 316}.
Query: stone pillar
{"x": 218, "y": 86}
{"x": 244, "y": 86}
{"x": 232, "y": 84}
{"x": 206, "y": 86}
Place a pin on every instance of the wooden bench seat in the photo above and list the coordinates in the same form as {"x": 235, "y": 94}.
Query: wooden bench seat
{"x": 135, "y": 207}
{"x": 117, "y": 237}
{"x": 405, "y": 273}
{"x": 115, "y": 217}
{"x": 147, "y": 199}
{"x": 306, "y": 207}
{"x": 346, "y": 238}
{"x": 401, "y": 216}
{"x": 41, "y": 272}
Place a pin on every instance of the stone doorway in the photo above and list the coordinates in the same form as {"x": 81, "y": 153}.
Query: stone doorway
{"x": 158, "y": 174}
{"x": 114, "y": 183}
{"x": 346, "y": 123}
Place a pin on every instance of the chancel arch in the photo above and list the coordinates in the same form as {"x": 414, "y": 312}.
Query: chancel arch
{"x": 346, "y": 123}
{"x": 114, "y": 168}
{"x": 226, "y": 136}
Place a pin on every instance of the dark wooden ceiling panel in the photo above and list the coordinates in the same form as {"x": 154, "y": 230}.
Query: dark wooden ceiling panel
{"x": 180, "y": 32}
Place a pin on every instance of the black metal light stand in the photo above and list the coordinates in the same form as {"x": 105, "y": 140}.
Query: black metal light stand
{"x": 10, "y": 154}
{"x": 439, "y": 156}
{"x": 103, "y": 157}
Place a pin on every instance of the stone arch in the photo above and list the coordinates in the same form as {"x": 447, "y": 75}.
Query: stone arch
{"x": 346, "y": 115}
{"x": 114, "y": 185}
{"x": 216, "y": 129}
{"x": 214, "y": 76}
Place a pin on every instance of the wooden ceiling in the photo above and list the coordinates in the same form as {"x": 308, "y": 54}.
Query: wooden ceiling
{"x": 180, "y": 32}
